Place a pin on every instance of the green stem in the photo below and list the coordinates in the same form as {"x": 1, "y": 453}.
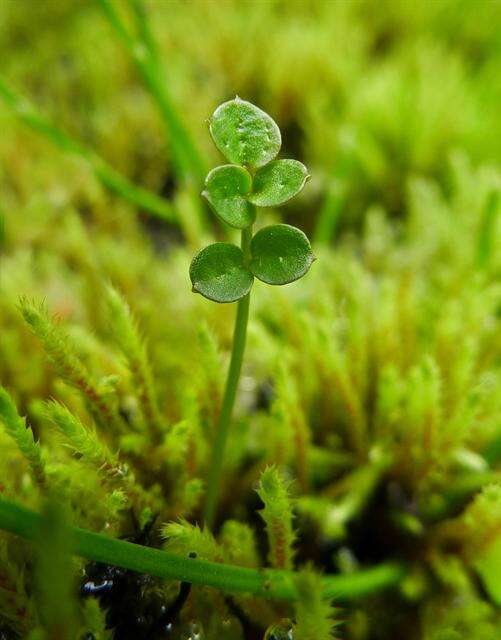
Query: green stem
{"x": 115, "y": 181}
{"x": 186, "y": 157}
{"x": 487, "y": 234}
{"x": 230, "y": 391}
{"x": 329, "y": 215}
{"x": 143, "y": 26}
{"x": 269, "y": 583}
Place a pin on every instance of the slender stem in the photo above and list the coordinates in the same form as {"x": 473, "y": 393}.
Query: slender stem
{"x": 230, "y": 391}
{"x": 143, "y": 51}
{"x": 487, "y": 234}
{"x": 329, "y": 215}
{"x": 111, "y": 178}
{"x": 143, "y": 27}
{"x": 269, "y": 583}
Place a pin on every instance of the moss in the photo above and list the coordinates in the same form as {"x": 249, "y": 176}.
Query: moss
{"x": 372, "y": 385}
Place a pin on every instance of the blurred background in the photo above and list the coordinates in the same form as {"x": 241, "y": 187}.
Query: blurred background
{"x": 367, "y": 94}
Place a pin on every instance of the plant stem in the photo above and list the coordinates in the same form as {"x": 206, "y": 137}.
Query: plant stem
{"x": 329, "y": 215}
{"x": 487, "y": 232}
{"x": 115, "y": 181}
{"x": 230, "y": 391}
{"x": 143, "y": 51}
{"x": 269, "y": 583}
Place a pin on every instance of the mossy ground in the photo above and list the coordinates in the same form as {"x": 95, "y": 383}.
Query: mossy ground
{"x": 373, "y": 384}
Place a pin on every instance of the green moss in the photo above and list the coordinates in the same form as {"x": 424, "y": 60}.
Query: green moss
{"x": 373, "y": 385}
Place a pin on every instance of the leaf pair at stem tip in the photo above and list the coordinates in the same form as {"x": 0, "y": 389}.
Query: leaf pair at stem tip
{"x": 233, "y": 194}
{"x": 278, "y": 254}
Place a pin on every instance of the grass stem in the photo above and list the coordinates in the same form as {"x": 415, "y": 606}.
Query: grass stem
{"x": 186, "y": 157}
{"x": 109, "y": 177}
{"x": 268, "y": 583}
{"x": 329, "y": 215}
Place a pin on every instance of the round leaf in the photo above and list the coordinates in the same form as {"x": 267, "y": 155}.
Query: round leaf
{"x": 244, "y": 133}
{"x": 280, "y": 254}
{"x": 218, "y": 273}
{"x": 226, "y": 188}
{"x": 278, "y": 182}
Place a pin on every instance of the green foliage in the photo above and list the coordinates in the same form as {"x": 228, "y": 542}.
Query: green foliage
{"x": 110, "y": 178}
{"x": 277, "y": 515}
{"x": 16, "y": 428}
{"x": 238, "y": 540}
{"x": 143, "y": 51}
{"x": 218, "y": 272}
{"x": 184, "y": 539}
{"x": 280, "y": 254}
{"x": 126, "y": 333}
{"x": 482, "y": 544}
{"x": 351, "y": 497}
{"x": 245, "y": 134}
{"x": 314, "y": 612}
{"x": 280, "y": 631}
{"x": 69, "y": 366}
{"x": 487, "y": 230}
{"x": 82, "y": 440}
{"x": 442, "y": 618}
{"x": 277, "y": 182}
{"x": 94, "y": 620}
{"x": 54, "y": 586}
{"x": 226, "y": 188}
{"x": 224, "y": 273}
{"x": 374, "y": 385}
{"x": 16, "y": 608}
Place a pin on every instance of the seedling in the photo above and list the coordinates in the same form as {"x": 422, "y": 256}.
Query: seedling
{"x": 278, "y": 254}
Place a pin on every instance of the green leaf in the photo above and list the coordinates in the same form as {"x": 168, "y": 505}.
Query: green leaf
{"x": 218, "y": 273}
{"x": 226, "y": 188}
{"x": 280, "y": 254}
{"x": 488, "y": 566}
{"x": 278, "y": 182}
{"x": 277, "y": 514}
{"x": 244, "y": 133}
{"x": 314, "y": 612}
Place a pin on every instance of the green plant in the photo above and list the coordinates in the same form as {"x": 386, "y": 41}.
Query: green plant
{"x": 269, "y": 583}
{"x": 143, "y": 51}
{"x": 105, "y": 173}
{"x": 188, "y": 163}
{"x": 370, "y": 389}
{"x": 278, "y": 254}
{"x": 277, "y": 514}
